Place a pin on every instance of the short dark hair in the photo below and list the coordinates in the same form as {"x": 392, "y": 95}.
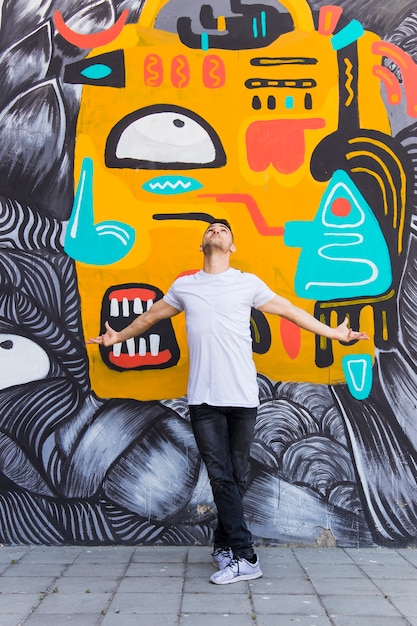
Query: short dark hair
{"x": 220, "y": 220}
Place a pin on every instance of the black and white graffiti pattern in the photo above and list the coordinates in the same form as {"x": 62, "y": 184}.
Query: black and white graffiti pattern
{"x": 75, "y": 468}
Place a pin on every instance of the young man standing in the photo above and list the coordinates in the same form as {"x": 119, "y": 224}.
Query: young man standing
{"x": 222, "y": 385}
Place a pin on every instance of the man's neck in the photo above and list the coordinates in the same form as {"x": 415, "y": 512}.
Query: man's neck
{"x": 216, "y": 263}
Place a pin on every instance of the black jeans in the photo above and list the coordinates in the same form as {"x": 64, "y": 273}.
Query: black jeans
{"x": 224, "y": 436}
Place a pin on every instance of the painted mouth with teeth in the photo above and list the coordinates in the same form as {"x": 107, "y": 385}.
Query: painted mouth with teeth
{"x": 155, "y": 349}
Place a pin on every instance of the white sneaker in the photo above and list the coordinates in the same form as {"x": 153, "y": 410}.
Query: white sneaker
{"x": 221, "y": 557}
{"x": 238, "y": 569}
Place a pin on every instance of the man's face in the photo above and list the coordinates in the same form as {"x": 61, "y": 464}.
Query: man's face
{"x": 217, "y": 237}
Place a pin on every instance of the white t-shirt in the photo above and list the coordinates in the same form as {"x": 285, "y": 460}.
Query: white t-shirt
{"x": 217, "y": 309}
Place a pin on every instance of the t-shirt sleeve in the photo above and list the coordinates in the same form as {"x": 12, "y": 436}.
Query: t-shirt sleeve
{"x": 173, "y": 299}
{"x": 262, "y": 293}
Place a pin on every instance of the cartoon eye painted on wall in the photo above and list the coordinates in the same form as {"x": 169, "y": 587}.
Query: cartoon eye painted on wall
{"x": 164, "y": 137}
{"x": 21, "y": 361}
{"x": 104, "y": 70}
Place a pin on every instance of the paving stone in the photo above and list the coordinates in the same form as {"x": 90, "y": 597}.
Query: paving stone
{"x": 223, "y": 604}
{"x": 287, "y": 605}
{"x": 145, "y": 603}
{"x": 358, "y": 620}
{"x": 61, "y": 620}
{"x": 359, "y": 605}
{"x": 195, "y": 619}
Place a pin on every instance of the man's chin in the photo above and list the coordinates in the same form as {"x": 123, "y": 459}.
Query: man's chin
{"x": 213, "y": 246}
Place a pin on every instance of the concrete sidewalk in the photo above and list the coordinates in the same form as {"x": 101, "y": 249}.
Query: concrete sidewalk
{"x": 168, "y": 586}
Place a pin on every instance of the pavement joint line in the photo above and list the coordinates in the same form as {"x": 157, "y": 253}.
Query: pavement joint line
{"x": 252, "y": 604}
{"x": 50, "y": 589}
{"x": 319, "y": 598}
{"x": 184, "y": 576}
{"x": 384, "y": 595}
{"x": 116, "y": 589}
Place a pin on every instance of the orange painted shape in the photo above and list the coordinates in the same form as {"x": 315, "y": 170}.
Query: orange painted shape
{"x": 214, "y": 72}
{"x": 221, "y": 23}
{"x": 153, "y": 70}
{"x": 329, "y": 17}
{"x": 180, "y": 72}
{"x": 279, "y": 143}
{"x": 290, "y": 337}
{"x": 93, "y": 40}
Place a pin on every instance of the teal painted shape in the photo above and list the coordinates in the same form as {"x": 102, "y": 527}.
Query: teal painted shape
{"x": 205, "y": 41}
{"x": 171, "y": 185}
{"x": 343, "y": 253}
{"x": 289, "y": 102}
{"x": 97, "y": 71}
{"x": 358, "y": 374}
{"x": 94, "y": 244}
{"x": 263, "y": 24}
{"x": 350, "y": 33}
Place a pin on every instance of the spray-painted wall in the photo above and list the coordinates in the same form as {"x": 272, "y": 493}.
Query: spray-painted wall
{"x": 125, "y": 127}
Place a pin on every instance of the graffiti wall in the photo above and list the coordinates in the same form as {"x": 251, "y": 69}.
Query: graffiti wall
{"x": 126, "y": 127}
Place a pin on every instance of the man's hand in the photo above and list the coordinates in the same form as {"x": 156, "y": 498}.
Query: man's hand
{"x": 160, "y": 310}
{"x": 343, "y": 333}
{"x": 109, "y": 338}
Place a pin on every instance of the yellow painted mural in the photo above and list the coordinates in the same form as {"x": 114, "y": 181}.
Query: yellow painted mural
{"x": 192, "y": 131}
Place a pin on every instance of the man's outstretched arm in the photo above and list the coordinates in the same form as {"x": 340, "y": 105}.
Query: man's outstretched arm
{"x": 285, "y": 308}
{"x": 158, "y": 311}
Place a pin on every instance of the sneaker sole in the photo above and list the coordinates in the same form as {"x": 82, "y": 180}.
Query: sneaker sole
{"x": 236, "y": 579}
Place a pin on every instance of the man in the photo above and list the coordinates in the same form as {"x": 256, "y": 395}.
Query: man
{"x": 222, "y": 385}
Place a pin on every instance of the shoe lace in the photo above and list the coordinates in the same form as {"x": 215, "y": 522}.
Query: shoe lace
{"x": 221, "y": 552}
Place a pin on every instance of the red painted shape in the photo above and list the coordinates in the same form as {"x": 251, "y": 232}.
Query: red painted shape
{"x": 254, "y": 211}
{"x": 93, "y": 40}
{"x": 329, "y": 17}
{"x": 341, "y": 207}
{"x": 390, "y": 82}
{"x": 130, "y": 362}
{"x": 280, "y": 143}
{"x": 188, "y": 273}
{"x": 131, "y": 293}
{"x": 408, "y": 70}
{"x": 214, "y": 72}
{"x": 153, "y": 70}
{"x": 290, "y": 337}
{"x": 180, "y": 71}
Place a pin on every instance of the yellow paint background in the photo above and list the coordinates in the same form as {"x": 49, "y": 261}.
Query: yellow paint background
{"x": 165, "y": 249}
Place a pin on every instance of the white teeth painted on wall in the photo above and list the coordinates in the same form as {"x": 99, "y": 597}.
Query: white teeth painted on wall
{"x": 126, "y": 307}
{"x": 139, "y": 346}
{"x": 137, "y": 306}
{"x": 131, "y": 348}
{"x": 114, "y": 308}
{"x": 154, "y": 342}
{"x": 142, "y": 347}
